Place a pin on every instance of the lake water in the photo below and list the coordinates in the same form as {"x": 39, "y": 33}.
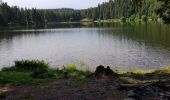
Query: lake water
{"x": 121, "y": 46}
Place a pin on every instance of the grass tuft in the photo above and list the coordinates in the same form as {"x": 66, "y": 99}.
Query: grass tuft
{"x": 71, "y": 68}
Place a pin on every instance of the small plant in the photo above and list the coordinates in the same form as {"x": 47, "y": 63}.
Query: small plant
{"x": 71, "y": 68}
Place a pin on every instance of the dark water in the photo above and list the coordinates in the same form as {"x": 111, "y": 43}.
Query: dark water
{"x": 121, "y": 46}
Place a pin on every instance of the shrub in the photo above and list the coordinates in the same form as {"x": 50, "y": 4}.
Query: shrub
{"x": 43, "y": 74}
{"x": 31, "y": 65}
{"x": 86, "y": 20}
{"x": 144, "y": 18}
{"x": 9, "y": 69}
{"x": 132, "y": 18}
{"x": 71, "y": 68}
{"x": 123, "y": 19}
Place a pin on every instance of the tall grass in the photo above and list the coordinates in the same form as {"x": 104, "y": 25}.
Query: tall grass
{"x": 31, "y": 65}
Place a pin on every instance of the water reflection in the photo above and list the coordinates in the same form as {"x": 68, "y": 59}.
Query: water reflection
{"x": 118, "y": 45}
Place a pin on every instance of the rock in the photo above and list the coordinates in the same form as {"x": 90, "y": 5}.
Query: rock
{"x": 108, "y": 71}
{"x": 131, "y": 93}
{"x": 102, "y": 72}
{"x": 134, "y": 95}
{"x": 129, "y": 99}
{"x": 162, "y": 94}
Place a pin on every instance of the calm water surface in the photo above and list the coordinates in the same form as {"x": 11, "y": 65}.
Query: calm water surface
{"x": 121, "y": 46}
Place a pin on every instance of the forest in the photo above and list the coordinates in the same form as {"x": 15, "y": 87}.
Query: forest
{"x": 132, "y": 10}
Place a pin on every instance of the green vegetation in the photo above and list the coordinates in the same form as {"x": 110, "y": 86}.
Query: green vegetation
{"x": 19, "y": 16}
{"x": 36, "y": 72}
{"x": 132, "y": 10}
{"x": 86, "y": 20}
{"x": 17, "y": 78}
{"x": 28, "y": 65}
{"x": 108, "y": 21}
{"x": 73, "y": 72}
{"x": 135, "y": 76}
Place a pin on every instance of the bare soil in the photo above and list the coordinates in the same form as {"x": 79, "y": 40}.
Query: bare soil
{"x": 68, "y": 89}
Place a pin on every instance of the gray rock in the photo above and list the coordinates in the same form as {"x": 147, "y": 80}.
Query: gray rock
{"x": 129, "y": 99}
{"x": 131, "y": 93}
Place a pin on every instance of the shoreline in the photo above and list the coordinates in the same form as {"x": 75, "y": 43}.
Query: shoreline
{"x": 37, "y": 80}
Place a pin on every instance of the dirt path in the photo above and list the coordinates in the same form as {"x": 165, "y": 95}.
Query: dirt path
{"x": 69, "y": 90}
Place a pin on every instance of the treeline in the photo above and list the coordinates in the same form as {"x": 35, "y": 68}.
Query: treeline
{"x": 132, "y": 10}
{"x": 64, "y": 15}
{"x": 16, "y": 15}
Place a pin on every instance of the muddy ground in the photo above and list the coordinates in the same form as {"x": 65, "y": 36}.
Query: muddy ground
{"x": 88, "y": 89}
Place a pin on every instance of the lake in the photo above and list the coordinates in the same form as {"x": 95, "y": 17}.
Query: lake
{"x": 121, "y": 46}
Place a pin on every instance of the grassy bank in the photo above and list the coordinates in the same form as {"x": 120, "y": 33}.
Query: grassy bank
{"x": 37, "y": 72}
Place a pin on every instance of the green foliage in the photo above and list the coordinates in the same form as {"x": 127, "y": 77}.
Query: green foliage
{"x": 86, "y": 20}
{"x": 43, "y": 74}
{"x": 17, "y": 78}
{"x": 78, "y": 74}
{"x": 73, "y": 72}
{"x": 123, "y": 19}
{"x": 31, "y": 65}
{"x": 35, "y": 72}
{"x": 38, "y": 69}
{"x": 71, "y": 68}
{"x": 144, "y": 18}
{"x": 28, "y": 65}
{"x": 113, "y": 9}
{"x": 132, "y": 18}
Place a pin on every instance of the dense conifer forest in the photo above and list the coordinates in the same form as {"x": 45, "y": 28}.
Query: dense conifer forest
{"x": 132, "y": 10}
